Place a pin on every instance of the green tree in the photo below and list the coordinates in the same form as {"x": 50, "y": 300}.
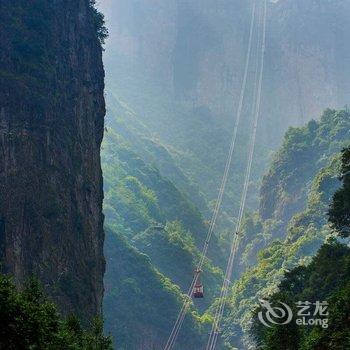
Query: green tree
{"x": 30, "y": 321}
{"x": 99, "y": 22}
{"x": 339, "y": 213}
{"x": 326, "y": 278}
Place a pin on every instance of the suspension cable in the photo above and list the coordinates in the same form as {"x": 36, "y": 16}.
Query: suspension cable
{"x": 181, "y": 316}
{"x": 236, "y": 239}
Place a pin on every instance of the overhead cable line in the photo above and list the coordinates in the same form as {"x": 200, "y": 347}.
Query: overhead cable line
{"x": 187, "y": 302}
{"x": 213, "y": 337}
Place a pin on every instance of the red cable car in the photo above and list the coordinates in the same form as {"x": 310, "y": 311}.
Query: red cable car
{"x": 198, "y": 290}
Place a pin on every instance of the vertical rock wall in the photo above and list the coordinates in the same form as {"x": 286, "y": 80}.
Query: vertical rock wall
{"x": 51, "y": 126}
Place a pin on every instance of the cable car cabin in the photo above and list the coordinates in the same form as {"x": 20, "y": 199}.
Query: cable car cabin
{"x": 198, "y": 291}
{"x": 158, "y": 227}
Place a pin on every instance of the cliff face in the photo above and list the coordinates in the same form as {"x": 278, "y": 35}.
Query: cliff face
{"x": 51, "y": 127}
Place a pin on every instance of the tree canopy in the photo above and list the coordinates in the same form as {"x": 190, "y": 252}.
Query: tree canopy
{"x": 31, "y": 321}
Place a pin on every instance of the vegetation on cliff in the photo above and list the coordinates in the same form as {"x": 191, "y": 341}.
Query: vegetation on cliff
{"x": 141, "y": 299}
{"x": 99, "y": 22}
{"x": 305, "y": 171}
{"x": 339, "y": 213}
{"x": 287, "y": 231}
{"x": 31, "y": 321}
{"x": 326, "y": 278}
{"x": 147, "y": 214}
{"x": 304, "y": 152}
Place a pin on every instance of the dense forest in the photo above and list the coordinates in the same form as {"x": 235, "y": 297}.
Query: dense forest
{"x": 286, "y": 231}
{"x": 29, "y": 320}
{"x": 326, "y": 278}
{"x": 291, "y": 236}
{"x": 169, "y": 109}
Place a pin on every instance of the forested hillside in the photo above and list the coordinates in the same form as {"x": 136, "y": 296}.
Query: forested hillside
{"x": 178, "y": 65}
{"x": 146, "y": 211}
{"x": 326, "y": 279}
{"x": 304, "y": 170}
{"x": 156, "y": 218}
{"x": 174, "y": 72}
{"x": 140, "y": 303}
{"x": 303, "y": 153}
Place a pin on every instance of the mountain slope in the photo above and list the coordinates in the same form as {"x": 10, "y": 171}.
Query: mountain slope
{"x": 270, "y": 247}
{"x": 146, "y": 211}
{"x": 326, "y": 279}
{"x": 179, "y": 66}
{"x": 303, "y": 153}
{"x": 141, "y": 304}
{"x": 137, "y": 196}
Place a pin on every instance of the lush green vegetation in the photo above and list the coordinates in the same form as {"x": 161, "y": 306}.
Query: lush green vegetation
{"x": 303, "y": 178}
{"x": 339, "y": 212}
{"x": 160, "y": 221}
{"x": 141, "y": 304}
{"x": 99, "y": 22}
{"x": 295, "y": 190}
{"x": 145, "y": 210}
{"x": 193, "y": 138}
{"x": 141, "y": 195}
{"x": 173, "y": 251}
{"x": 294, "y": 198}
{"x": 304, "y": 152}
{"x": 137, "y": 196}
{"x": 306, "y": 233}
{"x": 30, "y": 321}
{"x": 326, "y": 278}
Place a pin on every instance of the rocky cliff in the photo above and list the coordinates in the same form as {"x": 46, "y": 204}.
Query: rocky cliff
{"x": 51, "y": 126}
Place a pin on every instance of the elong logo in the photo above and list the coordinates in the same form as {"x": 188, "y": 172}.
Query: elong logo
{"x": 283, "y": 314}
{"x": 275, "y": 315}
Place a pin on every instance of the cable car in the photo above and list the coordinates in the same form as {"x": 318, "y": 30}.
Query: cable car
{"x": 159, "y": 227}
{"x": 198, "y": 290}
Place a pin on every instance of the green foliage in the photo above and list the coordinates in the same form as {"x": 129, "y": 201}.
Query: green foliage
{"x": 326, "y": 278}
{"x": 99, "y": 22}
{"x": 139, "y": 202}
{"x": 30, "y": 321}
{"x": 137, "y": 196}
{"x": 140, "y": 302}
{"x": 151, "y": 196}
{"x": 194, "y": 139}
{"x": 173, "y": 251}
{"x": 275, "y": 245}
{"x": 304, "y": 152}
{"x": 134, "y": 203}
{"x": 339, "y": 212}
{"x": 337, "y": 335}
